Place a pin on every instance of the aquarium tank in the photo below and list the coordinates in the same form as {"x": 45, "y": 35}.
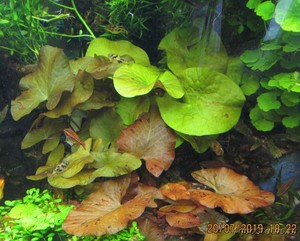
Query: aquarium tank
{"x": 155, "y": 120}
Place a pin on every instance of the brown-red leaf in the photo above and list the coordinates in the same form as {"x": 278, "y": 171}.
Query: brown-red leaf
{"x": 102, "y": 212}
{"x": 149, "y": 138}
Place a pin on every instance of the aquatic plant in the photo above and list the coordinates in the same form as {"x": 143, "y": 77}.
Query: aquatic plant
{"x": 277, "y": 60}
{"x": 38, "y": 216}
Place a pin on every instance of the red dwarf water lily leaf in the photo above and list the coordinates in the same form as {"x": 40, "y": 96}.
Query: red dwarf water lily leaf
{"x": 51, "y": 78}
{"x": 150, "y": 139}
{"x": 83, "y": 90}
{"x": 102, "y": 212}
{"x": 151, "y": 231}
{"x": 234, "y": 193}
{"x": 176, "y": 191}
{"x": 182, "y": 206}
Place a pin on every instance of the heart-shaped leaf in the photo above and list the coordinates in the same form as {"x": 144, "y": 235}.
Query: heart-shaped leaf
{"x": 83, "y": 89}
{"x": 105, "y": 47}
{"x": 209, "y": 97}
{"x": 102, "y": 212}
{"x": 51, "y": 78}
{"x": 149, "y": 138}
{"x": 112, "y": 164}
{"x": 234, "y": 193}
{"x": 135, "y": 79}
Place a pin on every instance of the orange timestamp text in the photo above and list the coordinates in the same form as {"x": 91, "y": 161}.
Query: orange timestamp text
{"x": 252, "y": 228}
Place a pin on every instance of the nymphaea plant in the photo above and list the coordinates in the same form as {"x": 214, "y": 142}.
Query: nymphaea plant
{"x": 123, "y": 109}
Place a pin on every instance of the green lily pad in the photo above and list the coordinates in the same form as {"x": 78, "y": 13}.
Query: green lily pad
{"x": 135, "y": 79}
{"x": 288, "y": 81}
{"x": 107, "y": 126}
{"x": 171, "y": 84}
{"x": 291, "y": 121}
{"x": 199, "y": 143}
{"x": 52, "y": 77}
{"x": 287, "y": 15}
{"x": 263, "y": 121}
{"x": 268, "y": 101}
{"x": 129, "y": 109}
{"x": 260, "y": 60}
{"x": 210, "y": 97}
{"x": 113, "y": 164}
{"x": 265, "y": 10}
{"x": 289, "y": 98}
{"x": 105, "y": 47}
{"x": 186, "y": 49}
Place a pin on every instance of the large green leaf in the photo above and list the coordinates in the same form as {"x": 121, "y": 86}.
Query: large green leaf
{"x": 210, "y": 98}
{"x": 51, "y": 78}
{"x": 171, "y": 84}
{"x": 185, "y": 48}
{"x": 130, "y": 109}
{"x": 106, "y": 126}
{"x": 112, "y": 164}
{"x": 287, "y": 15}
{"x": 135, "y": 79}
{"x": 105, "y": 47}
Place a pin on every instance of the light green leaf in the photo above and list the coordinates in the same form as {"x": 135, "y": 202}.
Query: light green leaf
{"x": 288, "y": 81}
{"x": 76, "y": 161}
{"x": 250, "y": 84}
{"x": 199, "y": 143}
{"x": 129, "y": 109}
{"x": 105, "y": 47}
{"x": 107, "y": 126}
{"x": 289, "y": 98}
{"x": 265, "y": 10}
{"x": 287, "y": 15}
{"x": 235, "y": 69}
{"x": 53, "y": 160}
{"x": 292, "y": 121}
{"x": 51, "y": 78}
{"x": 263, "y": 121}
{"x": 185, "y": 48}
{"x": 210, "y": 97}
{"x": 135, "y": 79}
{"x": 268, "y": 101}
{"x": 171, "y": 84}
{"x": 252, "y": 4}
{"x": 113, "y": 164}
{"x": 260, "y": 60}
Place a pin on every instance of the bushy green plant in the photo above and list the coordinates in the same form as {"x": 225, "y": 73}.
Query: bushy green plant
{"x": 39, "y": 216}
{"x": 25, "y": 26}
{"x": 277, "y": 60}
